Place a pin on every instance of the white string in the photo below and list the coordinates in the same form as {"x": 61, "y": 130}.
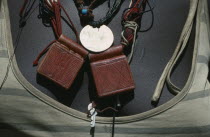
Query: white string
{"x": 130, "y": 3}
{"x": 134, "y": 26}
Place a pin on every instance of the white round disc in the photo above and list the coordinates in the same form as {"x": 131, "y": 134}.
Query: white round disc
{"x": 96, "y": 39}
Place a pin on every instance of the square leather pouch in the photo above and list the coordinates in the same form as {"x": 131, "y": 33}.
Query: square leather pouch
{"x": 111, "y": 72}
{"x": 63, "y": 62}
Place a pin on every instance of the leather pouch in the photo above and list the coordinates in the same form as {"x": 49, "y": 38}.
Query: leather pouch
{"x": 63, "y": 62}
{"x": 111, "y": 72}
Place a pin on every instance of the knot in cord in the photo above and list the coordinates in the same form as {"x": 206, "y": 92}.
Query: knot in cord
{"x": 128, "y": 36}
{"x": 128, "y": 25}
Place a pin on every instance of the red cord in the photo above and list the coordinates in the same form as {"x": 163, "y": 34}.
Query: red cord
{"x": 134, "y": 9}
{"x": 56, "y": 25}
{"x": 35, "y": 63}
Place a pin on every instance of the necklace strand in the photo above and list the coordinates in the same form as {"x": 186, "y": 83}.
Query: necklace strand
{"x": 87, "y": 16}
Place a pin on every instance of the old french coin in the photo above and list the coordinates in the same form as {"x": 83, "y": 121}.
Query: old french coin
{"x": 96, "y": 39}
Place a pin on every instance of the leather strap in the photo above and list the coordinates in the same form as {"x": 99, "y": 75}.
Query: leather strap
{"x": 55, "y": 7}
{"x": 110, "y": 53}
{"x": 72, "y": 45}
{"x": 165, "y": 77}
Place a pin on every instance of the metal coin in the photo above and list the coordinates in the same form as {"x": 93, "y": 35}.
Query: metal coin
{"x": 96, "y": 39}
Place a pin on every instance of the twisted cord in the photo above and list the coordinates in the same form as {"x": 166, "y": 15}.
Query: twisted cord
{"x": 131, "y": 22}
{"x": 133, "y": 26}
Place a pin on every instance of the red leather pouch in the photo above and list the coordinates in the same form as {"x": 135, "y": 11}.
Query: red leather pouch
{"x": 62, "y": 62}
{"x": 111, "y": 72}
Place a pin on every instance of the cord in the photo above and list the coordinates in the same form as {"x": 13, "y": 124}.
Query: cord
{"x": 89, "y": 16}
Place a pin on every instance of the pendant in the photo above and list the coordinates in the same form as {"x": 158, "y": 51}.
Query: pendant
{"x": 96, "y": 39}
